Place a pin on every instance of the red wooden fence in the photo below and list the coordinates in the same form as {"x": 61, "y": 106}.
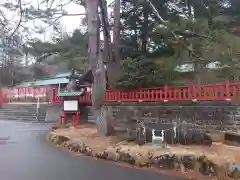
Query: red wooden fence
{"x": 206, "y": 92}
{"x": 23, "y": 94}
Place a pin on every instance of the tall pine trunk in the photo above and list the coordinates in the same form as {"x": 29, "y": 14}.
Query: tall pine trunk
{"x": 106, "y": 31}
{"x": 114, "y": 64}
{"x": 145, "y": 28}
{"x": 97, "y": 66}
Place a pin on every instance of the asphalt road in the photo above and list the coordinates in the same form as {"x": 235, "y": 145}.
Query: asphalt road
{"x": 25, "y": 156}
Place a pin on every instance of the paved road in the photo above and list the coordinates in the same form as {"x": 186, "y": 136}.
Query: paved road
{"x": 25, "y": 156}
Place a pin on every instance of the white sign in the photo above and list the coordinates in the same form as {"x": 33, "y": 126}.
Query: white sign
{"x": 70, "y": 105}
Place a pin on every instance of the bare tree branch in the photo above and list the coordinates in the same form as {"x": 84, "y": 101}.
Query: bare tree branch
{"x": 20, "y": 20}
{"x": 172, "y": 32}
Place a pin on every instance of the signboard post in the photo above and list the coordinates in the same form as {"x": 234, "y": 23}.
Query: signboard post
{"x": 71, "y": 106}
{"x": 38, "y": 107}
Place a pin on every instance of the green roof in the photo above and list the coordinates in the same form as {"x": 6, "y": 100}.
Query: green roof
{"x": 59, "y": 78}
{"x": 75, "y": 93}
{"x": 62, "y": 75}
{"x": 51, "y": 81}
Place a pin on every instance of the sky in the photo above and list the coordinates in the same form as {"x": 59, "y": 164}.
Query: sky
{"x": 68, "y": 23}
{"x": 73, "y": 22}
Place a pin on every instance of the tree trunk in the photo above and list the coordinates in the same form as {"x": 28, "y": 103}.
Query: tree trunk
{"x": 103, "y": 114}
{"x": 114, "y": 65}
{"x": 97, "y": 66}
{"x": 135, "y": 37}
{"x": 106, "y": 31}
{"x": 145, "y": 28}
{"x": 112, "y": 60}
{"x": 93, "y": 31}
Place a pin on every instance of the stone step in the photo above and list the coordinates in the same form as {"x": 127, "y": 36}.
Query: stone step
{"x": 24, "y": 104}
{"x": 21, "y": 113}
{"x": 22, "y": 110}
{"x": 30, "y": 107}
{"x": 26, "y": 120}
{"x": 92, "y": 120}
{"x": 23, "y": 120}
{"x": 24, "y": 115}
{"x": 23, "y": 107}
{"x": 12, "y": 116}
{"x": 21, "y": 116}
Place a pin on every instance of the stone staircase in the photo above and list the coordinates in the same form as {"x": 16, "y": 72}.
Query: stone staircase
{"x": 23, "y": 112}
{"x": 91, "y": 117}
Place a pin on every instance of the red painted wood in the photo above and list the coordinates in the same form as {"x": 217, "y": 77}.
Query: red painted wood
{"x": 65, "y": 117}
{"x": 205, "y": 92}
{"x": 77, "y": 118}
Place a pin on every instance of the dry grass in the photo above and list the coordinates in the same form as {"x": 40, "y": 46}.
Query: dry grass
{"x": 88, "y": 134}
{"x": 114, "y": 149}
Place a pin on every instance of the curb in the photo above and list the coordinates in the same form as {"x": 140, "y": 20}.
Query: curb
{"x": 164, "y": 161}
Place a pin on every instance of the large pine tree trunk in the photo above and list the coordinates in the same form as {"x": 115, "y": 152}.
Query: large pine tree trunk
{"x": 106, "y": 31}
{"x": 145, "y": 30}
{"x": 102, "y": 113}
{"x": 114, "y": 65}
{"x": 93, "y": 31}
{"x": 97, "y": 66}
{"x": 112, "y": 56}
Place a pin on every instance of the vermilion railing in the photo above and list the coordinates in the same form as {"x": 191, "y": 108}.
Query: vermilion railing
{"x": 16, "y": 94}
{"x": 206, "y": 92}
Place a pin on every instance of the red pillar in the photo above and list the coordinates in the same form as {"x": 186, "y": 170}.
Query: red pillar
{"x": 74, "y": 120}
{"x": 1, "y": 97}
{"x": 64, "y": 118}
{"x": 61, "y": 119}
{"x": 77, "y": 118}
{"x": 228, "y": 92}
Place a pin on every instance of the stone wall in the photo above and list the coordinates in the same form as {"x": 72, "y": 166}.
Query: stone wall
{"x": 224, "y": 118}
{"x": 200, "y": 117}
